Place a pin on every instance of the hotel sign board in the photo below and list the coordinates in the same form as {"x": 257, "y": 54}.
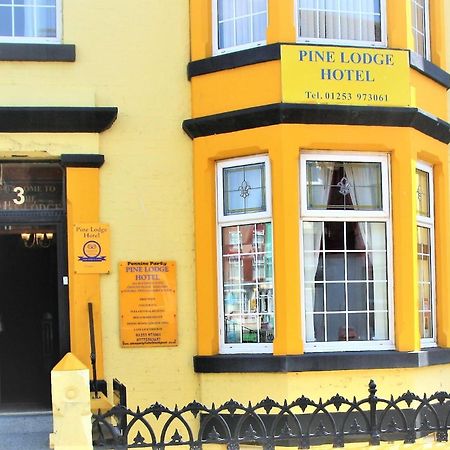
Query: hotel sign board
{"x": 345, "y": 76}
{"x": 148, "y": 304}
{"x": 91, "y": 248}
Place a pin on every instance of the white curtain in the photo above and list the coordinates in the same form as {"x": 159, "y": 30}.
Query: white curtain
{"x": 312, "y": 234}
{"x": 338, "y": 19}
{"x": 364, "y": 191}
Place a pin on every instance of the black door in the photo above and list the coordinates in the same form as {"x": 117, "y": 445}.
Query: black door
{"x": 30, "y": 314}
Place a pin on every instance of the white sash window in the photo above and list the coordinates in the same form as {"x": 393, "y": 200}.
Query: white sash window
{"x": 421, "y": 27}
{"x": 239, "y": 24}
{"x": 425, "y": 254}
{"x": 246, "y": 306}
{"x": 346, "y": 241}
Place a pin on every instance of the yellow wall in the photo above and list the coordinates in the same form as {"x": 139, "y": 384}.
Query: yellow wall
{"x": 132, "y": 56}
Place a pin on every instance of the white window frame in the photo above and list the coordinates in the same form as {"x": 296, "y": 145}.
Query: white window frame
{"x": 40, "y": 40}
{"x": 346, "y": 42}
{"x": 240, "y": 219}
{"x": 215, "y": 37}
{"x": 429, "y": 222}
{"x": 427, "y": 29}
{"x": 343, "y": 216}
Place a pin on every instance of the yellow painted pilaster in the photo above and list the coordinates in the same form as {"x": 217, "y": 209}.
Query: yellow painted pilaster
{"x": 205, "y": 234}
{"x": 442, "y": 246}
{"x": 201, "y": 28}
{"x": 284, "y": 158}
{"x": 404, "y": 229}
{"x": 83, "y": 206}
{"x": 281, "y": 26}
{"x": 399, "y": 24}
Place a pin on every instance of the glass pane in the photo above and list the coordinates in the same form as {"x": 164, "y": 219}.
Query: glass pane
{"x": 379, "y": 326}
{"x": 231, "y": 240}
{"x": 42, "y": 186}
{"x": 259, "y": 27}
{"x": 376, "y": 236}
{"x": 244, "y": 189}
{"x": 312, "y": 236}
{"x": 250, "y": 329}
{"x": 357, "y": 296}
{"x": 46, "y": 22}
{"x": 423, "y": 193}
{"x": 259, "y": 6}
{"x": 226, "y": 34}
{"x": 225, "y": 9}
{"x": 378, "y": 299}
{"x": 426, "y": 325}
{"x": 242, "y": 7}
{"x": 357, "y": 327}
{"x": 342, "y": 186}
{"x": 232, "y": 330}
{"x": 266, "y": 329}
{"x": 356, "y": 266}
{"x": 232, "y": 301}
{"x": 334, "y": 267}
{"x": 336, "y": 327}
{"x": 24, "y": 22}
{"x": 315, "y": 293}
{"x": 356, "y": 235}
{"x": 318, "y": 327}
{"x": 5, "y": 21}
{"x": 334, "y": 235}
{"x": 335, "y": 296}
{"x": 46, "y": 2}
{"x": 243, "y": 31}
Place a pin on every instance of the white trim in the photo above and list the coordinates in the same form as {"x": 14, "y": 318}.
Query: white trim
{"x": 428, "y": 222}
{"x": 215, "y": 35}
{"x": 246, "y": 217}
{"x": 36, "y": 39}
{"x": 346, "y": 42}
{"x": 312, "y": 216}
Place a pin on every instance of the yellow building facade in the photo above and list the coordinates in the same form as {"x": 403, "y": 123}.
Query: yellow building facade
{"x": 96, "y": 121}
{"x": 279, "y": 112}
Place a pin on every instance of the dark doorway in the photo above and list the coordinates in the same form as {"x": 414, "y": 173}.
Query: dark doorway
{"x": 29, "y": 315}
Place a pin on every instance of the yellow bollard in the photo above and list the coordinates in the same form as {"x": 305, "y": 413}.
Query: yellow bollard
{"x": 72, "y": 427}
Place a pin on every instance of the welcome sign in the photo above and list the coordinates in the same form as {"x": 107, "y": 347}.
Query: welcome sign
{"x": 345, "y": 76}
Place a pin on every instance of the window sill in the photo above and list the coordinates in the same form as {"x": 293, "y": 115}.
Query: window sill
{"x": 37, "y": 52}
{"x": 312, "y": 362}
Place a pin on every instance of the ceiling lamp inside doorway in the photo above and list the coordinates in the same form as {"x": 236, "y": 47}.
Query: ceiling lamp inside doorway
{"x": 33, "y": 240}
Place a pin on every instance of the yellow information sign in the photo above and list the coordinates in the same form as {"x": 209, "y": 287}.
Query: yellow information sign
{"x": 345, "y": 76}
{"x": 91, "y": 248}
{"x": 148, "y": 307}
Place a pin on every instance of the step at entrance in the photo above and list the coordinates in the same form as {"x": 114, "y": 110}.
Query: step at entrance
{"x": 25, "y": 431}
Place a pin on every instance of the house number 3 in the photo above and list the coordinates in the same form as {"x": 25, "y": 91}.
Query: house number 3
{"x": 20, "y": 197}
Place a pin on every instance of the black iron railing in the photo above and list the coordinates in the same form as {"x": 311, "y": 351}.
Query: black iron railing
{"x": 302, "y": 423}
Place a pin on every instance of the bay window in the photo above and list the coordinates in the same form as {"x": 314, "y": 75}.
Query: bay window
{"x": 239, "y": 24}
{"x": 421, "y": 27}
{"x": 356, "y": 22}
{"x": 246, "y": 264}
{"x": 30, "y": 20}
{"x": 345, "y": 227}
{"x": 425, "y": 254}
